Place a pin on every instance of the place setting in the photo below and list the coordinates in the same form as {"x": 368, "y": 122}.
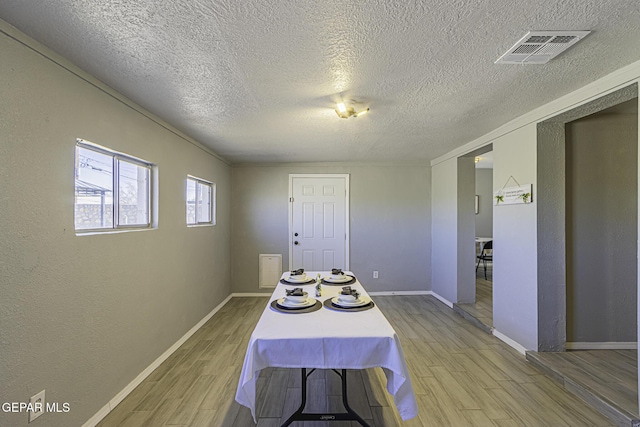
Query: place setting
{"x": 297, "y": 277}
{"x": 349, "y": 300}
{"x": 296, "y": 301}
{"x": 338, "y": 277}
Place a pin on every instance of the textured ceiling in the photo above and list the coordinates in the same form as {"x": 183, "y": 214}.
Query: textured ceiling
{"x": 256, "y": 80}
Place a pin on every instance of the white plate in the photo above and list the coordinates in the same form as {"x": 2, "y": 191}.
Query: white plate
{"x": 357, "y": 303}
{"x": 300, "y": 279}
{"x": 342, "y": 280}
{"x": 290, "y": 304}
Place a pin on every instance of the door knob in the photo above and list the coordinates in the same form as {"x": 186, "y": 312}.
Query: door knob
{"x": 296, "y": 243}
{"x": 295, "y": 234}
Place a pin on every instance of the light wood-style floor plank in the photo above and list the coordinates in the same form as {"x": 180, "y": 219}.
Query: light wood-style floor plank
{"x": 482, "y": 309}
{"x": 461, "y": 376}
{"x": 610, "y": 375}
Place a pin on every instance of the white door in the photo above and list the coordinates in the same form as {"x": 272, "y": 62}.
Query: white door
{"x": 318, "y": 233}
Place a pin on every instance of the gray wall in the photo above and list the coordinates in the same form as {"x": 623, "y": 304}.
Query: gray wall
{"x": 453, "y": 228}
{"x": 515, "y": 279}
{"x": 601, "y": 229}
{"x": 551, "y": 231}
{"x": 484, "y": 189}
{"x": 390, "y": 219}
{"x": 444, "y": 229}
{"x": 515, "y": 301}
{"x": 82, "y": 316}
{"x": 466, "y": 255}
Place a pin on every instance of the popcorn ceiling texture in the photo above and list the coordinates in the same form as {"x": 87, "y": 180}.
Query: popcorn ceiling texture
{"x": 256, "y": 80}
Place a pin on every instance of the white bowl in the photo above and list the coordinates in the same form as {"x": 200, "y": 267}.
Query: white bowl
{"x": 298, "y": 298}
{"x": 347, "y": 298}
{"x": 299, "y": 277}
{"x": 338, "y": 277}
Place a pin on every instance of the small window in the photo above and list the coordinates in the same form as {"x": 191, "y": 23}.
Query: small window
{"x": 112, "y": 190}
{"x": 201, "y": 196}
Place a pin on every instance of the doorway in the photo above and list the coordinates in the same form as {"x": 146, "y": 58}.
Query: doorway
{"x": 318, "y": 222}
{"x": 480, "y": 311}
{"x": 484, "y": 238}
{"x": 602, "y": 212}
{"x": 587, "y": 268}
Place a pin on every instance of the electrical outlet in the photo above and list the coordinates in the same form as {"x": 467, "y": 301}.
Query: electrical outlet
{"x": 375, "y": 274}
{"x": 37, "y": 406}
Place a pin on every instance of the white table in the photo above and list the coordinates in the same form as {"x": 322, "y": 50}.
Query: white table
{"x": 483, "y": 241}
{"x": 326, "y": 339}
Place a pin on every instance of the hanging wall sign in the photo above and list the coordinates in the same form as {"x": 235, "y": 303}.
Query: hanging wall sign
{"x": 520, "y": 194}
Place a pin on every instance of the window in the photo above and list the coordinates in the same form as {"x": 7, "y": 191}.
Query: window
{"x": 201, "y": 196}
{"x": 112, "y": 190}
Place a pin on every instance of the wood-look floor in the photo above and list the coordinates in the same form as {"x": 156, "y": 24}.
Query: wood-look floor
{"x": 482, "y": 309}
{"x": 608, "y": 378}
{"x": 610, "y": 375}
{"x": 461, "y": 377}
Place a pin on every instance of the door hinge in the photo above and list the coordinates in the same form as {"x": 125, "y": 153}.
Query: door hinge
{"x": 291, "y": 199}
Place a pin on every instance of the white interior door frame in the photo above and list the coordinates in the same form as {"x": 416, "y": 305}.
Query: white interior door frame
{"x": 345, "y": 176}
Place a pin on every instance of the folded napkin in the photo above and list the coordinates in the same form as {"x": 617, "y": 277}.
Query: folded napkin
{"x": 346, "y": 290}
{"x": 295, "y": 292}
{"x": 297, "y": 272}
{"x": 336, "y": 271}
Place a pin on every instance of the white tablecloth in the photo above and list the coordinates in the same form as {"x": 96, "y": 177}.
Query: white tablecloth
{"x": 326, "y": 339}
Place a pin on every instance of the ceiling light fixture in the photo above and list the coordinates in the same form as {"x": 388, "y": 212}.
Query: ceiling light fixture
{"x": 345, "y": 112}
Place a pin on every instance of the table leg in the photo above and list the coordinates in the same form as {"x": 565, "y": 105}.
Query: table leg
{"x": 300, "y": 415}
{"x": 350, "y": 411}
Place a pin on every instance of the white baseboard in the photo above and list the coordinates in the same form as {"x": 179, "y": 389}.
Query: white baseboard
{"x": 602, "y": 345}
{"x": 98, "y": 416}
{"x": 388, "y": 293}
{"x": 442, "y": 299}
{"x": 502, "y": 337}
{"x": 250, "y": 294}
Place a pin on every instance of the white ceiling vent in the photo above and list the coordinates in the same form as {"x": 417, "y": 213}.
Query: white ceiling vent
{"x": 538, "y": 47}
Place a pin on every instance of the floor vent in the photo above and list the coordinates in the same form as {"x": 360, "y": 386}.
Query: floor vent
{"x": 270, "y": 270}
{"x": 539, "y": 47}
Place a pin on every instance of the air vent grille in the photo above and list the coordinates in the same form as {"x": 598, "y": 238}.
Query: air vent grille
{"x": 538, "y": 39}
{"x": 563, "y": 39}
{"x": 550, "y": 49}
{"x": 539, "y": 47}
{"x": 526, "y": 48}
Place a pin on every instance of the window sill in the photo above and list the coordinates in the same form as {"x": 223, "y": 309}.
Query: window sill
{"x": 200, "y": 225}
{"x": 114, "y": 231}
